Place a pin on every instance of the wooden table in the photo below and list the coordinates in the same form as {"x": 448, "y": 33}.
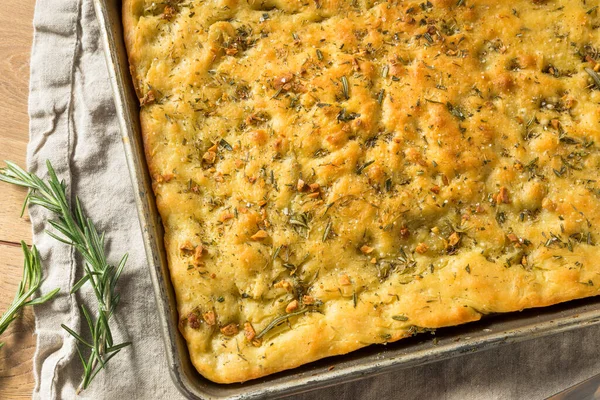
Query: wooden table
{"x": 16, "y": 31}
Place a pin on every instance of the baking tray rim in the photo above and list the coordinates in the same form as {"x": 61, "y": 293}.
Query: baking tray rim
{"x": 108, "y": 13}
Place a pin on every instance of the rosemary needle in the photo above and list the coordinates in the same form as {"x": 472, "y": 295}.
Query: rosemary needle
{"x": 74, "y": 228}
{"x": 594, "y": 75}
{"x": 30, "y": 283}
{"x": 280, "y": 319}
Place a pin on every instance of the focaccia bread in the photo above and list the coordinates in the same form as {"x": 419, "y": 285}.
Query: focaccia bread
{"x": 337, "y": 173}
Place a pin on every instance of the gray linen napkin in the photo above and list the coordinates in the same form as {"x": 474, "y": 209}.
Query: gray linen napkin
{"x": 73, "y": 124}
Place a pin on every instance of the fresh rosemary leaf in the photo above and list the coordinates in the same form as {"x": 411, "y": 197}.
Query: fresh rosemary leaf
{"x": 30, "y": 283}
{"x": 76, "y": 336}
{"x": 74, "y": 228}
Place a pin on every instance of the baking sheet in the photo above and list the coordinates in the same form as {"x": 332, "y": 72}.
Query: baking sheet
{"x": 492, "y": 331}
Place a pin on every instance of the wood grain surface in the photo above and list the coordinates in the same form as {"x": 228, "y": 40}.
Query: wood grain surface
{"x": 16, "y": 16}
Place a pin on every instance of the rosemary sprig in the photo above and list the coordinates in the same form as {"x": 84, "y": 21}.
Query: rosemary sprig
{"x": 30, "y": 283}
{"x": 76, "y": 229}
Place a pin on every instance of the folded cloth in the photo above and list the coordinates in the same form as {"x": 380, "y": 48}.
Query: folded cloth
{"x": 73, "y": 124}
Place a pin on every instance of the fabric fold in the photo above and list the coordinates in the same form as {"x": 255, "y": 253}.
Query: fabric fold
{"x": 50, "y": 109}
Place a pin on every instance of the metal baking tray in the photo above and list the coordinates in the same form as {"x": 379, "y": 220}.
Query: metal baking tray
{"x": 492, "y": 331}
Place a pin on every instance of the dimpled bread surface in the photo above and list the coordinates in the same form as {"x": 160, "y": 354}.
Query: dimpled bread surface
{"x": 333, "y": 174}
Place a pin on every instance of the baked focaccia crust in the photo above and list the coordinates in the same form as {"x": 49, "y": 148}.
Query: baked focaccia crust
{"x": 337, "y": 173}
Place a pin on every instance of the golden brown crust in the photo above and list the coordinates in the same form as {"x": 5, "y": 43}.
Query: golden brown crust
{"x": 333, "y": 174}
